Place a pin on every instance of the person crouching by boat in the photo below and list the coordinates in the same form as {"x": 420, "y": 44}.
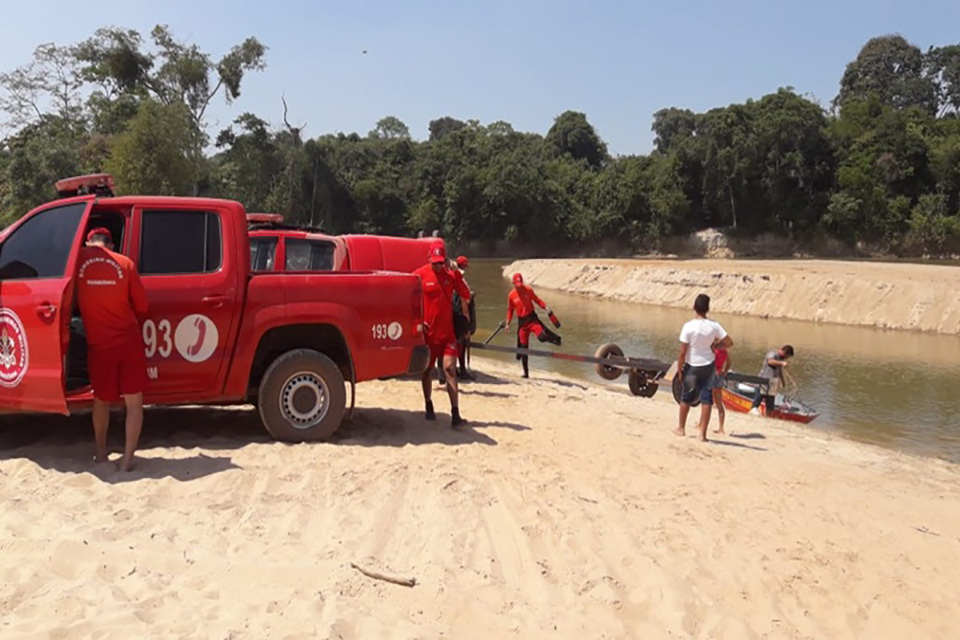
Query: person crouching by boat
{"x": 774, "y": 364}
{"x": 696, "y": 363}
{"x": 722, "y": 361}
{"x": 520, "y": 301}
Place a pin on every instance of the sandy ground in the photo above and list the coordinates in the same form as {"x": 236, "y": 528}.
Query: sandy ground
{"x": 567, "y": 510}
{"x": 885, "y": 295}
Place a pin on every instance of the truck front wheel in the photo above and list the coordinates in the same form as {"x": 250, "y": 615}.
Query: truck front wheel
{"x": 302, "y": 396}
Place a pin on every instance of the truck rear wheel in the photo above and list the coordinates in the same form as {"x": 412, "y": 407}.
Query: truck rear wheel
{"x": 302, "y": 396}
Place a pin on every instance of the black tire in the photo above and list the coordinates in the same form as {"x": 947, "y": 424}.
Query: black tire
{"x": 605, "y": 351}
{"x": 637, "y": 381}
{"x": 291, "y": 389}
{"x": 678, "y": 391}
{"x": 640, "y": 384}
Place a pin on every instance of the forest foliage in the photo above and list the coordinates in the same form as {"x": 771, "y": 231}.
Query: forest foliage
{"x": 879, "y": 166}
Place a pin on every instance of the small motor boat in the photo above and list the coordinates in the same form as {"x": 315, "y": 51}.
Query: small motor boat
{"x": 738, "y": 396}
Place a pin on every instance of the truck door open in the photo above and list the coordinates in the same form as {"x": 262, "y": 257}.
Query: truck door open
{"x": 37, "y": 272}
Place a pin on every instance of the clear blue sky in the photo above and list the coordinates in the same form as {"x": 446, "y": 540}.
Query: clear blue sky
{"x": 523, "y": 61}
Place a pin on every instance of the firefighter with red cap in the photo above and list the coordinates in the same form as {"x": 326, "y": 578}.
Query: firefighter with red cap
{"x": 520, "y": 301}
{"x": 112, "y": 300}
{"x": 439, "y": 285}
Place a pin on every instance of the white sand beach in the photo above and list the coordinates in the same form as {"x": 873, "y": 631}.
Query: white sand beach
{"x": 567, "y": 509}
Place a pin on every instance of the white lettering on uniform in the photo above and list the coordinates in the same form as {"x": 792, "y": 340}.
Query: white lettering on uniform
{"x": 91, "y": 261}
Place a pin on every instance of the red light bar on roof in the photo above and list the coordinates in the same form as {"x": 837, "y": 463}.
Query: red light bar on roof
{"x": 264, "y": 218}
{"x": 98, "y": 183}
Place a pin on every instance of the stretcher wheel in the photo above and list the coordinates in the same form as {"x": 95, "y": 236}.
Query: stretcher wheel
{"x": 637, "y": 381}
{"x": 605, "y": 351}
{"x": 640, "y": 384}
{"x": 677, "y": 388}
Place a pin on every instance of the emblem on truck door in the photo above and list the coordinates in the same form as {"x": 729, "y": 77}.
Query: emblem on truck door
{"x": 14, "y": 351}
{"x": 196, "y": 338}
{"x": 394, "y": 331}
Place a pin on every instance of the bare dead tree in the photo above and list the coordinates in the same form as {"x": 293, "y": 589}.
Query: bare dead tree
{"x": 294, "y": 131}
{"x": 292, "y": 199}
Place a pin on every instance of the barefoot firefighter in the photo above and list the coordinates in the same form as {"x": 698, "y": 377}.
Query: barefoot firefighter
{"x": 112, "y": 301}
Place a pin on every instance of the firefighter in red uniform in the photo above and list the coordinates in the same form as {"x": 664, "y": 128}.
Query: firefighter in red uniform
{"x": 439, "y": 284}
{"x": 521, "y": 301}
{"x": 111, "y": 299}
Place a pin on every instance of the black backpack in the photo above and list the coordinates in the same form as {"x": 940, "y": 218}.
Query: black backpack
{"x": 462, "y": 325}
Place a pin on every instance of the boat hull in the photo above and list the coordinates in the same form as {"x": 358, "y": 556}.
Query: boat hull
{"x": 741, "y": 403}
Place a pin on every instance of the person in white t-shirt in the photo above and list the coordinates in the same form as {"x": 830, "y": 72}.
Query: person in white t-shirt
{"x": 695, "y": 364}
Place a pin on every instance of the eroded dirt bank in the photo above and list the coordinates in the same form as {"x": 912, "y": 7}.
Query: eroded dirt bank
{"x": 884, "y": 295}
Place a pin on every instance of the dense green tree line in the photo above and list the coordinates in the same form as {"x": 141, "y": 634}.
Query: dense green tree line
{"x": 880, "y": 166}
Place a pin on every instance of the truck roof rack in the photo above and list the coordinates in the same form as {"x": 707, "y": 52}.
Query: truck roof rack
{"x": 267, "y": 226}
{"x": 261, "y": 218}
{"x": 274, "y": 222}
{"x": 100, "y": 184}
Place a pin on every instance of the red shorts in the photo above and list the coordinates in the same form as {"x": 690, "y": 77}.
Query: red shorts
{"x": 116, "y": 372}
{"x": 441, "y": 349}
{"x": 523, "y": 333}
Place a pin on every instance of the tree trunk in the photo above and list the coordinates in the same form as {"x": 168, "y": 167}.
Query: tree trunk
{"x": 313, "y": 197}
{"x": 733, "y": 204}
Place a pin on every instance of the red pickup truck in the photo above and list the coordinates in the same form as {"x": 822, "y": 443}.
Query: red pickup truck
{"x": 278, "y": 246}
{"x": 217, "y": 332}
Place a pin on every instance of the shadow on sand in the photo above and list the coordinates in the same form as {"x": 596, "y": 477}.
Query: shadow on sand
{"x": 563, "y": 383}
{"x": 479, "y": 377}
{"x": 397, "y": 428}
{"x": 65, "y": 444}
{"x": 467, "y": 391}
{"x": 180, "y": 469}
{"x": 739, "y": 445}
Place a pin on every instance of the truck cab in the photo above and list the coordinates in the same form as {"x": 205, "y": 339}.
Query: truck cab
{"x": 216, "y": 331}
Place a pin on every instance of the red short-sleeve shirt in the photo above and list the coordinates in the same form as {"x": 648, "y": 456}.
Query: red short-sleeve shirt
{"x": 110, "y": 296}
{"x": 438, "y": 288}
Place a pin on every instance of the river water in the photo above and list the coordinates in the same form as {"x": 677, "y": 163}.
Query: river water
{"x": 891, "y": 388}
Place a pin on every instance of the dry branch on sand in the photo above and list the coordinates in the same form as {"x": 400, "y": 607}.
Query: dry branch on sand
{"x": 376, "y": 575}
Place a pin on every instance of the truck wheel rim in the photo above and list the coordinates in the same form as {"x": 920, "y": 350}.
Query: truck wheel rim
{"x": 304, "y": 400}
